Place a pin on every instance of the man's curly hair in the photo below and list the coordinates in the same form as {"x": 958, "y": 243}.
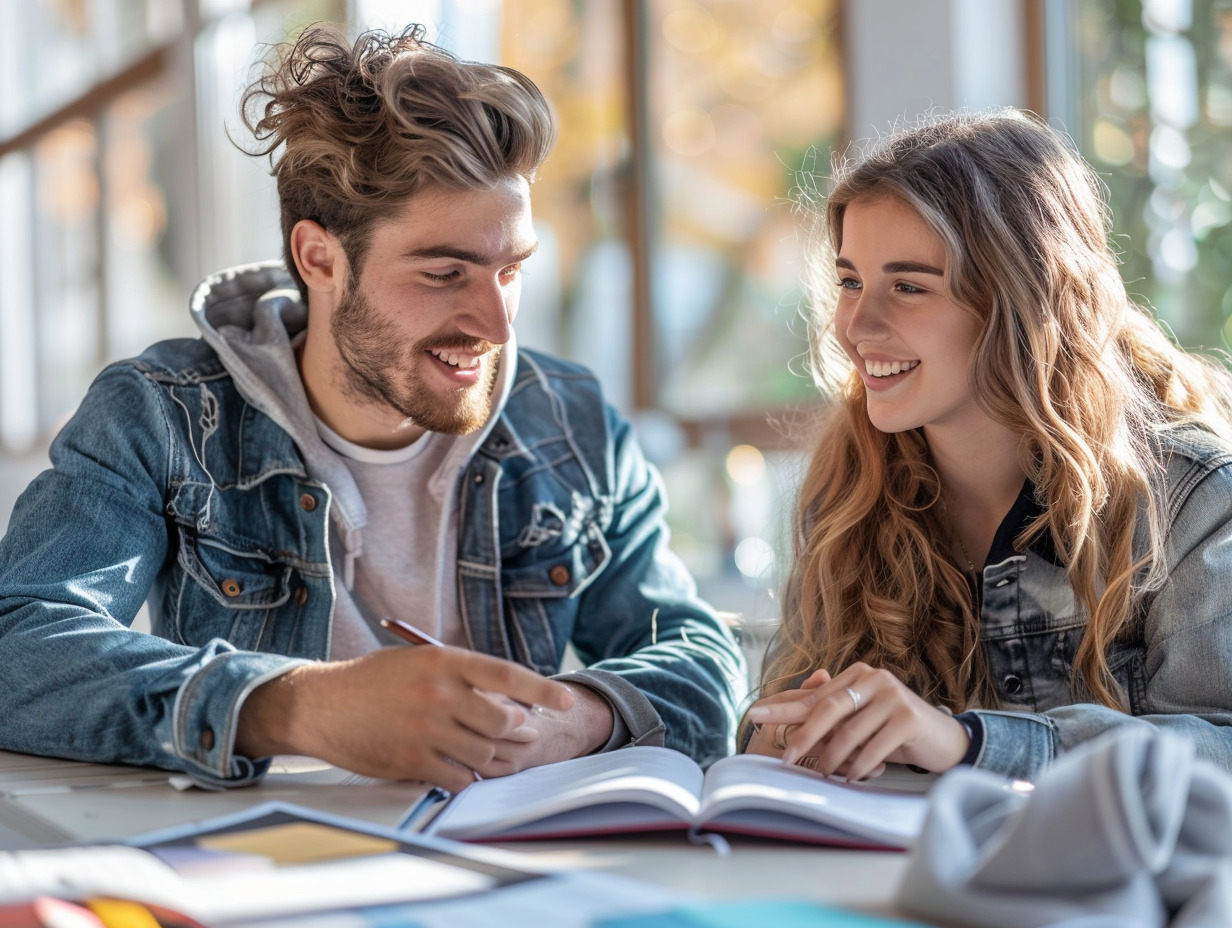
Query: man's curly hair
{"x": 353, "y": 129}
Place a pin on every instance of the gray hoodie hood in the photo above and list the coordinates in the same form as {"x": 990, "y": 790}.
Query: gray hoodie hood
{"x": 250, "y": 315}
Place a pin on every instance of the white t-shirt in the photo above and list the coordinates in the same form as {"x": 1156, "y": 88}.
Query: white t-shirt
{"x": 407, "y": 535}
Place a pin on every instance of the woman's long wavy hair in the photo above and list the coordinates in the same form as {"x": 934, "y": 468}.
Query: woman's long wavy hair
{"x": 355, "y": 128}
{"x": 1064, "y": 359}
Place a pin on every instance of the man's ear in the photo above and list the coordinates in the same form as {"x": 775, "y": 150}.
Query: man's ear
{"x": 318, "y": 256}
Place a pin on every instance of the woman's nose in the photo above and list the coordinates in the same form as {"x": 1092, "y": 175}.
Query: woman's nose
{"x": 866, "y": 318}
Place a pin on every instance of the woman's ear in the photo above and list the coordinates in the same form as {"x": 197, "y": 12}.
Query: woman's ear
{"x": 318, "y": 256}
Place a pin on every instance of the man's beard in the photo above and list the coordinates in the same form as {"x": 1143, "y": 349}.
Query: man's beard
{"x": 377, "y": 368}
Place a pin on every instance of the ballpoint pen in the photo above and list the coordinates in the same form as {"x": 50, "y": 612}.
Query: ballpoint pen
{"x": 408, "y": 632}
{"x": 412, "y": 635}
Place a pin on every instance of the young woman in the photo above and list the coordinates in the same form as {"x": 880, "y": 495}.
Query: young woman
{"x": 1016, "y": 529}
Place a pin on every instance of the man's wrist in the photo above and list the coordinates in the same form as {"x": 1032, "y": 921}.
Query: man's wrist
{"x": 267, "y": 720}
{"x": 596, "y": 719}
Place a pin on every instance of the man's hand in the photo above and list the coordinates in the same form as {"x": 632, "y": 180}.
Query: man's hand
{"x": 549, "y": 735}
{"x": 400, "y": 713}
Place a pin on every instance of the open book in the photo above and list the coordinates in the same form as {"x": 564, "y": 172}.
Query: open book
{"x": 650, "y": 789}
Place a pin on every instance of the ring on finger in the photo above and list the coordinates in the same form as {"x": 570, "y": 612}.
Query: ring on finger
{"x": 856, "y": 698}
{"x": 809, "y": 761}
{"x": 780, "y": 737}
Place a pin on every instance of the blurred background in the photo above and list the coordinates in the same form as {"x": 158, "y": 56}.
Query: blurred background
{"x": 668, "y": 259}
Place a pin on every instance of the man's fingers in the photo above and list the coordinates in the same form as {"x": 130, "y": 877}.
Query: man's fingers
{"x": 523, "y": 734}
{"x": 447, "y": 774}
{"x": 514, "y": 681}
{"x": 488, "y": 714}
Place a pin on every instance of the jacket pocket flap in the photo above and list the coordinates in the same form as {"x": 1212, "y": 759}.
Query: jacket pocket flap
{"x": 566, "y": 574}
{"x": 238, "y": 581}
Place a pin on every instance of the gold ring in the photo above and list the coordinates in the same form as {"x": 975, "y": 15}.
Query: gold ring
{"x": 780, "y": 740}
{"x": 808, "y": 761}
{"x": 855, "y": 697}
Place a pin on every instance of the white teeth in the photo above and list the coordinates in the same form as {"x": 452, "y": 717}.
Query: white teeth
{"x": 888, "y": 368}
{"x": 454, "y": 359}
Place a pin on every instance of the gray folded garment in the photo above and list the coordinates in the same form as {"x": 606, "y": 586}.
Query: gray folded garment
{"x": 1129, "y": 831}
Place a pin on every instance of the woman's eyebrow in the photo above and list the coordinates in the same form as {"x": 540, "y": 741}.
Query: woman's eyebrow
{"x": 896, "y": 267}
{"x": 911, "y": 267}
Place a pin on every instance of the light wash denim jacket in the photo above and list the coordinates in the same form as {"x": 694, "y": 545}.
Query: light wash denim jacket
{"x": 1176, "y": 665}
{"x": 562, "y": 539}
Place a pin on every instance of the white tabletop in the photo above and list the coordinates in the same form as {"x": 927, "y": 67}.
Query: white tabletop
{"x": 47, "y": 802}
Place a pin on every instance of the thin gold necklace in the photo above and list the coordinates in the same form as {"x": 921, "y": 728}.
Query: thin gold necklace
{"x": 966, "y": 553}
{"x": 958, "y": 538}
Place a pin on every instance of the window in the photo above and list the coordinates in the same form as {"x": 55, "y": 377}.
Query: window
{"x": 668, "y": 259}
{"x": 1151, "y": 85}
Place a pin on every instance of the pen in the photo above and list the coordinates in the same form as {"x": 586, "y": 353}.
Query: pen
{"x": 427, "y": 802}
{"x": 408, "y": 632}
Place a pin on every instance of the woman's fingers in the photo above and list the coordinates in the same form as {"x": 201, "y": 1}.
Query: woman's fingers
{"x": 815, "y": 679}
{"x": 842, "y": 724}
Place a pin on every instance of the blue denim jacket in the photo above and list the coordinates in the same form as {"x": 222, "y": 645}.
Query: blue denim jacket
{"x": 1175, "y": 665}
{"x": 235, "y": 564}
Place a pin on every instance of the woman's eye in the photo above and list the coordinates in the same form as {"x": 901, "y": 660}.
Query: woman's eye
{"x": 849, "y": 283}
{"x": 508, "y": 273}
{"x": 904, "y": 287}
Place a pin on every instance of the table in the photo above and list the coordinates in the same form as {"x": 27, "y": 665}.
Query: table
{"x": 45, "y": 801}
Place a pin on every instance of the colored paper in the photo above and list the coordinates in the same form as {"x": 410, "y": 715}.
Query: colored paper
{"x": 299, "y": 843}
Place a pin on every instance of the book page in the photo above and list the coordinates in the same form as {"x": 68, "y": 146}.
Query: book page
{"x": 85, "y": 872}
{"x": 346, "y": 883}
{"x": 653, "y": 777}
{"x": 753, "y": 782}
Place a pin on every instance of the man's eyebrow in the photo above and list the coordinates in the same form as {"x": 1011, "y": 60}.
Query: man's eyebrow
{"x": 464, "y": 254}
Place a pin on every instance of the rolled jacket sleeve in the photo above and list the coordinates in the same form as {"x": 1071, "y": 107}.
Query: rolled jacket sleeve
{"x": 86, "y": 542}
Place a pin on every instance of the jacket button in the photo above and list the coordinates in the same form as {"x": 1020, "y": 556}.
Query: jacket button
{"x": 478, "y": 478}
{"x": 307, "y": 502}
{"x": 1012, "y": 684}
{"x": 231, "y": 588}
{"x": 301, "y": 596}
{"x": 559, "y": 574}
{"x": 207, "y": 739}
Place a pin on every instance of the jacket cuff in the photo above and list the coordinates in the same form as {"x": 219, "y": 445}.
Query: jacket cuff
{"x": 1015, "y": 744}
{"x": 207, "y": 710}
{"x": 635, "y": 720}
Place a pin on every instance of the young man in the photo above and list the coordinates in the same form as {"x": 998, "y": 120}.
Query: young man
{"x": 356, "y": 438}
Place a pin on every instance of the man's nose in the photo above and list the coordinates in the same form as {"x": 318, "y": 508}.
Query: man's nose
{"x": 490, "y": 311}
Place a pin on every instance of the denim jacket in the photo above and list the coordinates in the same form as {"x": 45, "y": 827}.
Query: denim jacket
{"x": 561, "y": 540}
{"x": 1175, "y": 665}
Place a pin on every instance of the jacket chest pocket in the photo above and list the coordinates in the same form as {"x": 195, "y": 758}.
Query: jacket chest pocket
{"x": 226, "y": 594}
{"x": 541, "y": 597}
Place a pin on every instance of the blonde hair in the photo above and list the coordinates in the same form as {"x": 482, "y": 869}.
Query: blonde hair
{"x": 1064, "y": 359}
{"x": 364, "y": 125}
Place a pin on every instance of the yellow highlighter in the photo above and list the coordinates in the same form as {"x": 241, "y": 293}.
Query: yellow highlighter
{"x": 120, "y": 913}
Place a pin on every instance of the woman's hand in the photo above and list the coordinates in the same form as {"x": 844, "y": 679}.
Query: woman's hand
{"x": 854, "y": 723}
{"x": 764, "y": 737}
